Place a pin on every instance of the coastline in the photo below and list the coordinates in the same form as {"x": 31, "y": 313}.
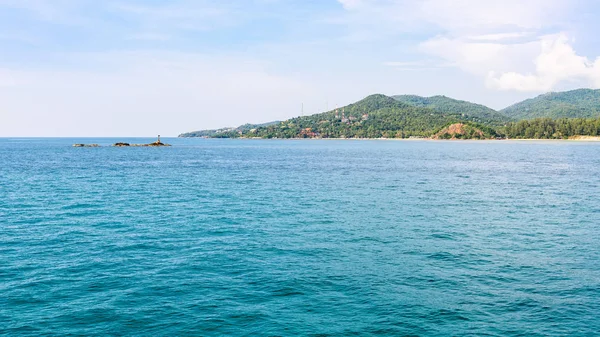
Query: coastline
{"x": 590, "y": 139}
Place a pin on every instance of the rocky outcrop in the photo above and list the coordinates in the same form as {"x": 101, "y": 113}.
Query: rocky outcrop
{"x": 86, "y": 145}
{"x": 460, "y": 131}
{"x": 155, "y": 144}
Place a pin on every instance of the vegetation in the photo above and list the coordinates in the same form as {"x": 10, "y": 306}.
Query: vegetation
{"x": 567, "y": 114}
{"x": 468, "y": 111}
{"x": 226, "y": 132}
{"x": 547, "y": 128}
{"x": 581, "y": 103}
{"x": 376, "y": 116}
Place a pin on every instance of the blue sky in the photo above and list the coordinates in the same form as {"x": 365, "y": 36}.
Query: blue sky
{"x": 141, "y": 68}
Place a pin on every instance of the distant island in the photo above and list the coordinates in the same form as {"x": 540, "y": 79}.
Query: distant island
{"x": 561, "y": 115}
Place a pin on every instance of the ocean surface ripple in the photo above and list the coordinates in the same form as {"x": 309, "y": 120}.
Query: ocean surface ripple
{"x": 296, "y": 238}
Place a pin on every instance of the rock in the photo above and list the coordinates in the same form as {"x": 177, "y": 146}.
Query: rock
{"x": 157, "y": 143}
{"x": 460, "y": 131}
{"x": 86, "y": 145}
{"x": 122, "y": 144}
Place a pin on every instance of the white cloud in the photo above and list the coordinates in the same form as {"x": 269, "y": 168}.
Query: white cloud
{"x": 556, "y": 63}
{"x": 460, "y": 16}
{"x": 457, "y": 16}
{"x": 472, "y": 57}
{"x": 467, "y": 43}
{"x": 499, "y": 37}
{"x": 506, "y": 43}
{"x": 539, "y": 65}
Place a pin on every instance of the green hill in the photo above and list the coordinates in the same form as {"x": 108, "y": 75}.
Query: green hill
{"x": 373, "y": 117}
{"x": 225, "y": 132}
{"x": 469, "y": 111}
{"x": 581, "y": 103}
{"x": 553, "y": 115}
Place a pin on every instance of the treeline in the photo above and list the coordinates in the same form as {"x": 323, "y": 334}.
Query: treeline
{"x": 547, "y": 128}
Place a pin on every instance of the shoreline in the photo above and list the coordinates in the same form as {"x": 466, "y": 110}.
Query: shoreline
{"x": 589, "y": 139}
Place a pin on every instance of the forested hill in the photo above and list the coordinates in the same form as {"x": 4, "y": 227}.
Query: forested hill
{"x": 225, "y": 132}
{"x": 477, "y": 112}
{"x": 581, "y": 103}
{"x": 380, "y": 116}
{"x": 373, "y": 117}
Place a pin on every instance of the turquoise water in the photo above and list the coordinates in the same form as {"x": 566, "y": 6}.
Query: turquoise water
{"x": 288, "y": 238}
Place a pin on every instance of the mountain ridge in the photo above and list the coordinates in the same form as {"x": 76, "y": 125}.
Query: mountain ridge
{"x": 442, "y": 103}
{"x": 578, "y": 103}
{"x": 375, "y": 116}
{"x": 403, "y": 116}
{"x": 225, "y": 132}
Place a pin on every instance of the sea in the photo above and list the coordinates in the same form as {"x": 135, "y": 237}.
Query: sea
{"x": 233, "y": 237}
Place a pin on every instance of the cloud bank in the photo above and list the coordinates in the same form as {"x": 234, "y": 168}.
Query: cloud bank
{"x": 505, "y": 43}
{"x": 134, "y": 67}
{"x": 557, "y": 62}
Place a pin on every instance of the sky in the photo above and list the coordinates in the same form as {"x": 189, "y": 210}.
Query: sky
{"x": 72, "y": 68}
